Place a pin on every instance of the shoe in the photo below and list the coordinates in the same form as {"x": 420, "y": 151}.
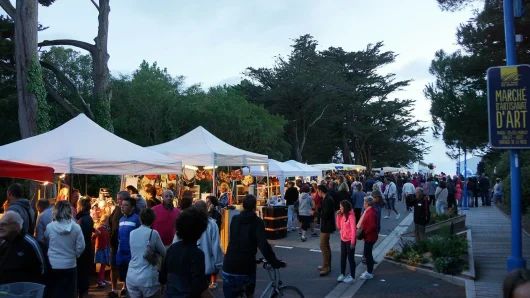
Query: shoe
{"x": 341, "y": 278}
{"x": 397, "y": 217}
{"x": 325, "y": 271}
{"x": 349, "y": 279}
{"x": 113, "y": 294}
{"x": 123, "y": 293}
{"x": 314, "y": 234}
{"x": 299, "y": 233}
{"x": 320, "y": 268}
{"x": 386, "y": 217}
{"x": 304, "y": 239}
{"x": 213, "y": 285}
{"x": 101, "y": 284}
{"x": 108, "y": 283}
{"x": 288, "y": 231}
{"x": 366, "y": 275}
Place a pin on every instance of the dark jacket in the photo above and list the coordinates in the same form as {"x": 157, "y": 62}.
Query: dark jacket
{"x": 22, "y": 207}
{"x": 22, "y": 261}
{"x": 291, "y": 195}
{"x": 85, "y": 221}
{"x": 247, "y": 233}
{"x": 183, "y": 271}
{"x": 368, "y": 185}
{"x": 327, "y": 215}
{"x": 344, "y": 195}
{"x": 114, "y": 223}
{"x": 422, "y": 214}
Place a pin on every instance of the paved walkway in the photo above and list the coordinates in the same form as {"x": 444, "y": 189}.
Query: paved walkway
{"x": 491, "y": 233}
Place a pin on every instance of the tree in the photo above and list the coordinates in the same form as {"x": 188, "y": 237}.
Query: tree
{"x": 32, "y": 105}
{"x": 299, "y": 87}
{"x": 458, "y": 97}
{"x": 101, "y": 94}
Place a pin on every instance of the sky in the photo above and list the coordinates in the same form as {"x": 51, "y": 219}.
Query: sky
{"x": 212, "y": 42}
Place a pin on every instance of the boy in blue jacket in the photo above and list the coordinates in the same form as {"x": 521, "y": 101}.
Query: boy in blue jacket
{"x": 129, "y": 222}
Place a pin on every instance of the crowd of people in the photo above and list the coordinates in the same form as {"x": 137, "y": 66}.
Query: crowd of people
{"x": 156, "y": 248}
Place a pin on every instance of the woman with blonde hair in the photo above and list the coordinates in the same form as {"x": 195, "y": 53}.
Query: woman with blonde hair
{"x": 224, "y": 189}
{"x": 65, "y": 244}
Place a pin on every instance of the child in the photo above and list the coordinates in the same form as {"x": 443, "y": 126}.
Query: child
{"x": 102, "y": 248}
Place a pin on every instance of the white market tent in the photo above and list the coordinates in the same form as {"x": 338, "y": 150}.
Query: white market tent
{"x": 390, "y": 169}
{"x": 278, "y": 169}
{"x": 201, "y": 148}
{"x": 337, "y": 166}
{"x": 306, "y": 169}
{"x": 80, "y": 146}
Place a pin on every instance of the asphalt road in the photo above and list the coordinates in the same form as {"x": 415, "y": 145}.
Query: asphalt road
{"x": 303, "y": 259}
{"x": 392, "y": 281}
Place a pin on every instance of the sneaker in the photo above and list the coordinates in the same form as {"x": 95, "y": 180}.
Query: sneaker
{"x": 101, "y": 284}
{"x": 300, "y": 233}
{"x": 397, "y": 217}
{"x": 386, "y": 217}
{"x": 213, "y": 285}
{"x": 314, "y": 234}
{"x": 341, "y": 278}
{"x": 366, "y": 275}
{"x": 289, "y": 231}
{"x": 113, "y": 294}
{"x": 304, "y": 239}
{"x": 349, "y": 279}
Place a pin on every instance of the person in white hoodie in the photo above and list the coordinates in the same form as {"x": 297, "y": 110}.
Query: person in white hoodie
{"x": 65, "y": 243}
{"x": 210, "y": 245}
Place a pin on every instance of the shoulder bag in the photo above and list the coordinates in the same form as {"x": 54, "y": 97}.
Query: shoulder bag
{"x": 150, "y": 254}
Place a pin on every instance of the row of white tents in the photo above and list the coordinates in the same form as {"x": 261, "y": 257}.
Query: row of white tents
{"x": 80, "y": 146}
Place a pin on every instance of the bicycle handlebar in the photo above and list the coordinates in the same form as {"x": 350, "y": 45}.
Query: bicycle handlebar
{"x": 267, "y": 265}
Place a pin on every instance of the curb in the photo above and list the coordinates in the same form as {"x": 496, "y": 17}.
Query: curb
{"x": 344, "y": 290}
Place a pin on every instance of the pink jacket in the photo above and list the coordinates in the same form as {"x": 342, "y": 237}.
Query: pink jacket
{"x": 347, "y": 225}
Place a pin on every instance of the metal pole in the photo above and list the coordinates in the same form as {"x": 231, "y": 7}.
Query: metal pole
{"x": 516, "y": 260}
{"x": 465, "y": 204}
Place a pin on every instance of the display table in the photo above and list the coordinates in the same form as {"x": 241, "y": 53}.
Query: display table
{"x": 225, "y": 226}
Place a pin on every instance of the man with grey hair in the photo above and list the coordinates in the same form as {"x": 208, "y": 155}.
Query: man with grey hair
{"x": 422, "y": 213}
{"x": 21, "y": 257}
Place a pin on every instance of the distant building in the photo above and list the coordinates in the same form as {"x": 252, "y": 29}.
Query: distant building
{"x": 472, "y": 164}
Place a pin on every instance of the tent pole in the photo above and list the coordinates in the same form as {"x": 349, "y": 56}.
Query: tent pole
{"x": 213, "y": 178}
{"x": 269, "y": 188}
{"x": 71, "y": 189}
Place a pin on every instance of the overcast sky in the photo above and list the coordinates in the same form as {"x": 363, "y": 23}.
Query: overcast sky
{"x": 212, "y": 42}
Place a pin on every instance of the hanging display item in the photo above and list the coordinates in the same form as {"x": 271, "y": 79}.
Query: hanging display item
{"x": 224, "y": 176}
{"x": 206, "y": 175}
{"x": 236, "y": 175}
{"x": 248, "y": 180}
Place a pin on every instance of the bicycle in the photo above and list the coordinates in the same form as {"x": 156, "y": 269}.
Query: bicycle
{"x": 274, "y": 288}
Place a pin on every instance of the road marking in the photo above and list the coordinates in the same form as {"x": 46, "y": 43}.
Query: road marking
{"x": 280, "y": 246}
{"x": 358, "y": 255}
{"x": 382, "y": 235}
{"x": 315, "y": 250}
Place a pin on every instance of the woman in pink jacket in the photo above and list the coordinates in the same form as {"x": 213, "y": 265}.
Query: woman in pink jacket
{"x": 348, "y": 234}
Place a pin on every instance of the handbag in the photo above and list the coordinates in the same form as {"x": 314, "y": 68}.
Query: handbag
{"x": 360, "y": 234}
{"x": 150, "y": 254}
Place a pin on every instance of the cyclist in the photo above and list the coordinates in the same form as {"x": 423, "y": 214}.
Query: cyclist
{"x": 247, "y": 233}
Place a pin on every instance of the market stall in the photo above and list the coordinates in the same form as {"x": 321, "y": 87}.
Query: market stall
{"x": 25, "y": 171}
{"x": 338, "y": 166}
{"x": 200, "y": 148}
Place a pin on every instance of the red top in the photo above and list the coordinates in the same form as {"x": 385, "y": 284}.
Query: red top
{"x": 165, "y": 223}
{"x": 102, "y": 240}
{"x": 369, "y": 225}
{"x": 318, "y": 200}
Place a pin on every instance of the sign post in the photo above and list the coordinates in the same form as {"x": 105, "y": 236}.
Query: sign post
{"x": 508, "y": 93}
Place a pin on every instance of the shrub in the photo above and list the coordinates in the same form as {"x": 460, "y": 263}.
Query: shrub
{"x": 449, "y": 265}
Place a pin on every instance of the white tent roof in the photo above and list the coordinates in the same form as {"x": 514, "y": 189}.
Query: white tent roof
{"x": 276, "y": 168}
{"x": 80, "y": 146}
{"x": 201, "y": 148}
{"x": 307, "y": 169}
{"x": 338, "y": 166}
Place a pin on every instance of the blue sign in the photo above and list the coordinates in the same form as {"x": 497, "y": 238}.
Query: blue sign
{"x": 508, "y": 93}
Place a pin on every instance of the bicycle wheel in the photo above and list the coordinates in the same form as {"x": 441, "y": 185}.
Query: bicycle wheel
{"x": 289, "y": 292}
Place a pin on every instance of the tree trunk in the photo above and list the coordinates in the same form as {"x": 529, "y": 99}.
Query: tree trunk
{"x": 346, "y": 152}
{"x": 100, "y": 69}
{"x": 368, "y": 157}
{"x": 26, "y": 23}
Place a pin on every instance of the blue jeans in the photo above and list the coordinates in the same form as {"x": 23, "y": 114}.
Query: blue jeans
{"x": 233, "y": 282}
{"x": 291, "y": 217}
{"x": 440, "y": 207}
